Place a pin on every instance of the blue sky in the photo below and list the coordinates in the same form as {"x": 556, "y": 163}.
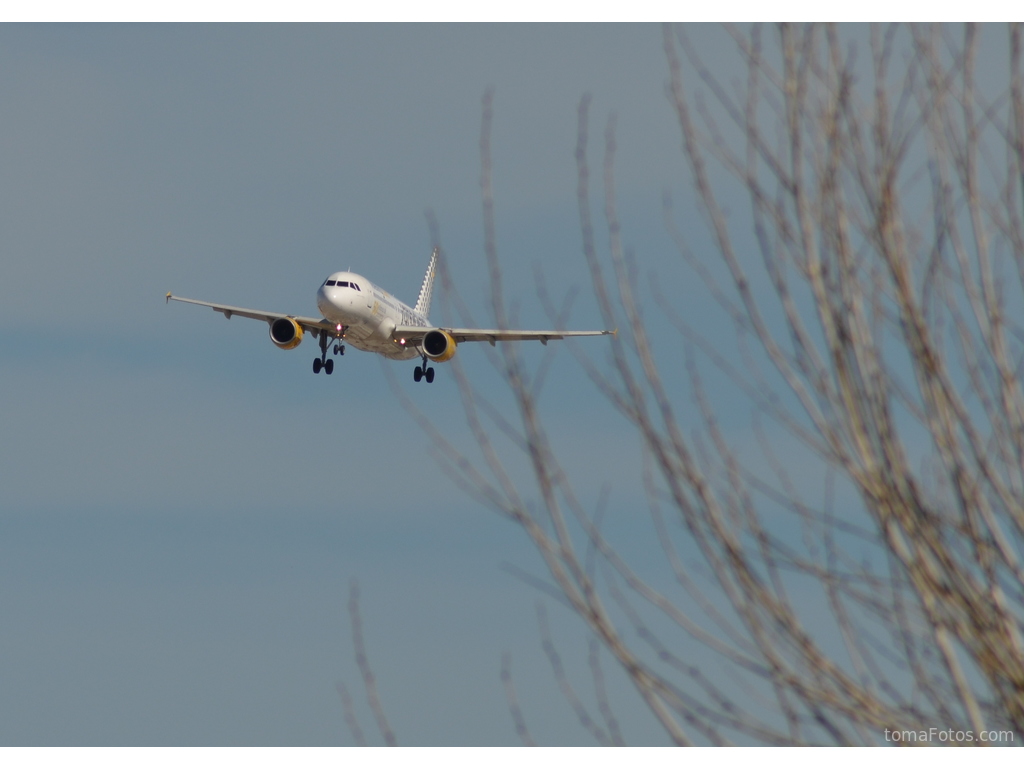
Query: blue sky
{"x": 182, "y": 505}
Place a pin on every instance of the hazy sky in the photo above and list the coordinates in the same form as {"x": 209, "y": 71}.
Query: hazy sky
{"x": 182, "y": 505}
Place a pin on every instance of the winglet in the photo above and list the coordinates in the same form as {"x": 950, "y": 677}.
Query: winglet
{"x": 168, "y": 299}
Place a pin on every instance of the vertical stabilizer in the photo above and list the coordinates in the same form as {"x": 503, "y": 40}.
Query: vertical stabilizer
{"x": 423, "y": 302}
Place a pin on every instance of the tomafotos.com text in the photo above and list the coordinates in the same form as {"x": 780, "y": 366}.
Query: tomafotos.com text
{"x": 947, "y": 736}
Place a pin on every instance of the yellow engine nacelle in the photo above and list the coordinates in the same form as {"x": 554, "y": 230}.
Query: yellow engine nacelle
{"x": 439, "y": 346}
{"x": 286, "y": 333}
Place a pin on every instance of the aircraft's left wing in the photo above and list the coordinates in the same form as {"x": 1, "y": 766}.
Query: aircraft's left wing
{"x": 415, "y": 333}
{"x": 311, "y": 324}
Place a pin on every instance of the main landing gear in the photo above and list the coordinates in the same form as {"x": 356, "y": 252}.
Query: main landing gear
{"x": 322, "y": 363}
{"x": 424, "y": 372}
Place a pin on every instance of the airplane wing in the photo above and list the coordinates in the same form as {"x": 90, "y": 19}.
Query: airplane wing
{"x": 312, "y": 324}
{"x": 414, "y": 333}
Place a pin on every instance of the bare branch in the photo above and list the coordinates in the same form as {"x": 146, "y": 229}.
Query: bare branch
{"x": 369, "y": 681}
{"x": 513, "y": 701}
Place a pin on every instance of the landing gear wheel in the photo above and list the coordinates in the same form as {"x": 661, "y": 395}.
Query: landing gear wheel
{"x": 429, "y": 375}
{"x": 417, "y": 374}
{"x": 322, "y": 363}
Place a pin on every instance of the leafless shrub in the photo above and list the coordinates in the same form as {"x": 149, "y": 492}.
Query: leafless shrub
{"x": 875, "y": 285}
{"x": 369, "y": 681}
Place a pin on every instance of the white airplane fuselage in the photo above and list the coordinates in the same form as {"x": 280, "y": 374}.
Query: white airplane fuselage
{"x": 368, "y": 315}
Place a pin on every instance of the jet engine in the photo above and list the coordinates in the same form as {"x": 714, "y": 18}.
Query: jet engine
{"x": 439, "y": 346}
{"x": 286, "y": 333}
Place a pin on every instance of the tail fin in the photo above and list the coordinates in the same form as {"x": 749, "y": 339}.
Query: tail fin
{"x": 423, "y": 302}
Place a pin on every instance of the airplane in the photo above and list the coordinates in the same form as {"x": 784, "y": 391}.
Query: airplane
{"x": 357, "y": 312}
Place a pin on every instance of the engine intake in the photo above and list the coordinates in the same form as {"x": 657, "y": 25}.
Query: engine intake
{"x": 286, "y": 333}
{"x": 439, "y": 346}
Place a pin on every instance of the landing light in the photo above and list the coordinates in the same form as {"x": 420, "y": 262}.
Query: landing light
{"x": 402, "y": 341}
{"x": 339, "y": 327}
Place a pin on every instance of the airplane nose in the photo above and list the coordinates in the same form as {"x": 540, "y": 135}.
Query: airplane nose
{"x": 322, "y": 302}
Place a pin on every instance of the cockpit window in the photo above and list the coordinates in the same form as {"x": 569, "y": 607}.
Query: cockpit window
{"x": 355, "y": 286}
{"x": 343, "y": 283}
{"x": 330, "y": 282}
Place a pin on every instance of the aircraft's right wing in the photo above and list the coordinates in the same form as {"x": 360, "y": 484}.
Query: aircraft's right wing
{"x": 312, "y": 324}
{"x": 415, "y": 333}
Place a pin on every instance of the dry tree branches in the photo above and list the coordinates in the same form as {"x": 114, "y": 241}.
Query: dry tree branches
{"x": 875, "y": 283}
